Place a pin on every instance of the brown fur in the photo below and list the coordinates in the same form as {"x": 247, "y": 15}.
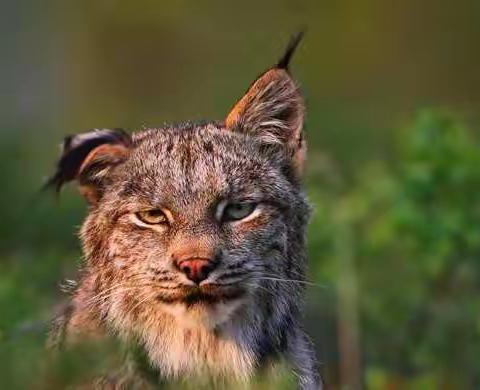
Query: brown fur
{"x": 246, "y": 313}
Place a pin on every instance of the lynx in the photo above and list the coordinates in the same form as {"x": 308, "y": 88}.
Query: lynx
{"x": 194, "y": 242}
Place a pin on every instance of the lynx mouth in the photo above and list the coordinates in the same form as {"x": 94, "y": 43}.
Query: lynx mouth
{"x": 208, "y": 294}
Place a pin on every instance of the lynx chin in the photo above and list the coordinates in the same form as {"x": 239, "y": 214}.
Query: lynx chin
{"x": 194, "y": 242}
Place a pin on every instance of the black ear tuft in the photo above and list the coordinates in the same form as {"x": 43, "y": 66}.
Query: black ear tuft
{"x": 75, "y": 150}
{"x": 290, "y": 50}
{"x": 272, "y": 110}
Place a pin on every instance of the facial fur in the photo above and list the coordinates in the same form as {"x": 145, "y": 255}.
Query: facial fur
{"x": 215, "y": 286}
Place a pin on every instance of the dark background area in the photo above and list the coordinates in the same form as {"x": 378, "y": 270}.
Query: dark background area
{"x": 393, "y": 103}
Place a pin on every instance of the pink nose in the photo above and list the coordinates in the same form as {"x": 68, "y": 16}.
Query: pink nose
{"x": 196, "y": 269}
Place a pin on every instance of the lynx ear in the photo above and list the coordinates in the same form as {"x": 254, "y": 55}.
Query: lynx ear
{"x": 88, "y": 158}
{"x": 272, "y": 109}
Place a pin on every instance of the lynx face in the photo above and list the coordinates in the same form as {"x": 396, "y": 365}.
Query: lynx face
{"x": 192, "y": 222}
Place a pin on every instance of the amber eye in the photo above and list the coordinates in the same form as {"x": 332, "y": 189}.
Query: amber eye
{"x": 152, "y": 217}
{"x": 238, "y": 211}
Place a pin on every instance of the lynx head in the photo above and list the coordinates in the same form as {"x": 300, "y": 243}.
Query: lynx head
{"x": 195, "y": 220}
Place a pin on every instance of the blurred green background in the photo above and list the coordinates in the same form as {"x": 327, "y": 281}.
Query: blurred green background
{"x": 393, "y": 100}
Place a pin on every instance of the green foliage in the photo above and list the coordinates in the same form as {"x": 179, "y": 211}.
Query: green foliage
{"x": 414, "y": 235}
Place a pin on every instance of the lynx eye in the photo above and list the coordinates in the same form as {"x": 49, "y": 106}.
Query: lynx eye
{"x": 152, "y": 217}
{"x": 238, "y": 211}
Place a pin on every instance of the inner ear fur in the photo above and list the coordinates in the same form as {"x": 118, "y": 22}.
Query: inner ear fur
{"x": 89, "y": 158}
{"x": 272, "y": 108}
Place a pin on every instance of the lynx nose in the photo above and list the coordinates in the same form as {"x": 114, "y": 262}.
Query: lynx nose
{"x": 196, "y": 269}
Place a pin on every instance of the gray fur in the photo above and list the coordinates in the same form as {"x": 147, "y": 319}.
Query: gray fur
{"x": 130, "y": 285}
